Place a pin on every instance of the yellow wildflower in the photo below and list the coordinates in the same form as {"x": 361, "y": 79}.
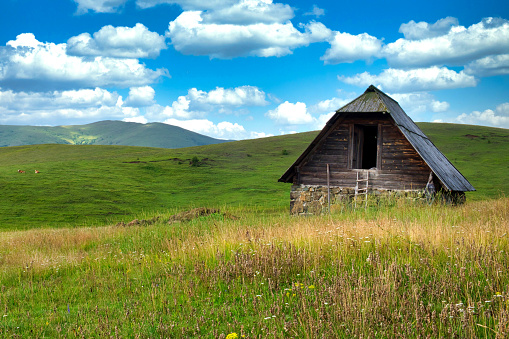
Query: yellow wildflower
{"x": 311, "y": 287}
{"x": 232, "y": 336}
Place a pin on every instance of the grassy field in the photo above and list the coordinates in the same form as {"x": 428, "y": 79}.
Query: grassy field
{"x": 68, "y": 268}
{"x": 404, "y": 271}
{"x": 96, "y": 185}
{"x": 91, "y": 185}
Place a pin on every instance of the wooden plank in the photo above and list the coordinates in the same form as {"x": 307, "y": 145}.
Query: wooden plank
{"x": 379, "y": 148}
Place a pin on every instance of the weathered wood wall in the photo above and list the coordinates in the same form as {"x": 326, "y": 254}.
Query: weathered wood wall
{"x": 399, "y": 166}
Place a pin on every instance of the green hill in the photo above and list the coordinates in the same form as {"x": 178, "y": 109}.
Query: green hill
{"x": 105, "y": 133}
{"x": 93, "y": 185}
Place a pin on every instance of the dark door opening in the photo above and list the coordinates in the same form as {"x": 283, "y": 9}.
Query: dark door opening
{"x": 364, "y": 147}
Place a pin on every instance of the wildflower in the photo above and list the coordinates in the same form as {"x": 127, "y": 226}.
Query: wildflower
{"x": 311, "y": 287}
{"x": 232, "y": 336}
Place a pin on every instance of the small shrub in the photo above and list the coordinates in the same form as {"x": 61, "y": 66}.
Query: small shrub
{"x": 195, "y": 162}
{"x": 284, "y": 152}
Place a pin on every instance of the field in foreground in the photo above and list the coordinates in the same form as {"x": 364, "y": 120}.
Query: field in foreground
{"x": 401, "y": 271}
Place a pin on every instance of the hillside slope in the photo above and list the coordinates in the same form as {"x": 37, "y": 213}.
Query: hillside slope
{"x": 92, "y": 185}
{"x": 105, "y": 133}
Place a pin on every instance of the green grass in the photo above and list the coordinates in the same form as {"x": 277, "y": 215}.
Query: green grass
{"x": 96, "y": 185}
{"x": 408, "y": 271}
{"x": 480, "y": 153}
{"x": 397, "y": 270}
{"x": 87, "y": 185}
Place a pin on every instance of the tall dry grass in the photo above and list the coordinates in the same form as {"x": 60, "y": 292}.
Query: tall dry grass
{"x": 407, "y": 271}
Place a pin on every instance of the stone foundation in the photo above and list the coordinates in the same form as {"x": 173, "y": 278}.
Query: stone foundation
{"x": 308, "y": 199}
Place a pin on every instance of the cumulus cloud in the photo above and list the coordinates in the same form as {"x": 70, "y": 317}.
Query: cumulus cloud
{"x": 198, "y": 103}
{"x": 329, "y": 105}
{"x": 322, "y": 120}
{"x": 247, "y": 12}
{"x": 99, "y": 6}
{"x": 457, "y": 47}
{"x": 118, "y": 42}
{"x": 140, "y": 96}
{"x": 420, "y": 102}
{"x": 423, "y": 30}
{"x": 316, "y": 11}
{"x": 290, "y": 114}
{"x": 60, "y": 107}
{"x": 257, "y": 135}
{"x": 28, "y": 64}
{"x": 348, "y": 48}
{"x": 137, "y": 119}
{"x": 489, "y": 66}
{"x": 189, "y": 4}
{"x": 495, "y": 118}
{"x": 421, "y": 79}
{"x": 189, "y": 34}
{"x": 239, "y": 96}
{"x": 178, "y": 109}
{"x": 223, "y": 130}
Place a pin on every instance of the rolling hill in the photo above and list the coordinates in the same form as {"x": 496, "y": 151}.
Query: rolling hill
{"x": 105, "y": 133}
{"x": 93, "y": 185}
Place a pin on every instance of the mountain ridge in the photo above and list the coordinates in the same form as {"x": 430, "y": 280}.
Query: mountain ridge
{"x": 106, "y": 132}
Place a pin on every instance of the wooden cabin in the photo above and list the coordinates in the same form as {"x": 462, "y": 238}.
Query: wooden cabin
{"x": 370, "y": 145}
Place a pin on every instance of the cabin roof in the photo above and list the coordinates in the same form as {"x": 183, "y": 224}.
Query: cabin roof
{"x": 375, "y": 101}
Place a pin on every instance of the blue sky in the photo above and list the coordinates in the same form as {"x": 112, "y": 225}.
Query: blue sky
{"x": 237, "y": 69}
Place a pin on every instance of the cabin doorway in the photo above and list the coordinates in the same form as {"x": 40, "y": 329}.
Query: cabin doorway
{"x": 364, "y": 146}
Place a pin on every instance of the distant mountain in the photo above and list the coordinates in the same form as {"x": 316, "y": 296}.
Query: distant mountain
{"x": 105, "y": 133}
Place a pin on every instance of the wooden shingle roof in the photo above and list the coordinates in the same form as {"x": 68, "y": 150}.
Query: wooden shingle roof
{"x": 374, "y": 100}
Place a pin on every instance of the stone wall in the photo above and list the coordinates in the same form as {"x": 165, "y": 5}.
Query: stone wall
{"x": 309, "y": 199}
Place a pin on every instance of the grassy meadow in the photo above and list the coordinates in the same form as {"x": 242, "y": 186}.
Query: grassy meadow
{"x": 71, "y": 264}
{"x": 402, "y": 271}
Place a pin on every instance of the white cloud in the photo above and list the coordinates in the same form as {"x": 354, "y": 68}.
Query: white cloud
{"x": 223, "y": 130}
{"x": 290, "y": 114}
{"x": 55, "y": 107}
{"x": 421, "y": 79}
{"x": 257, "y": 135}
{"x": 84, "y": 98}
{"x": 138, "y": 119}
{"x": 188, "y": 4}
{"x": 489, "y": 66}
{"x": 329, "y": 105}
{"x": 419, "y": 102}
{"x": 140, "y": 96}
{"x": 422, "y": 30}
{"x": 348, "y": 48}
{"x": 316, "y": 11}
{"x": 197, "y": 103}
{"x": 118, "y": 42}
{"x": 178, "y": 109}
{"x": 495, "y": 118}
{"x": 32, "y": 65}
{"x": 246, "y": 12}
{"x": 239, "y": 96}
{"x": 25, "y": 40}
{"x": 189, "y": 34}
{"x": 458, "y": 47}
{"x": 322, "y": 120}
{"x": 99, "y": 6}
